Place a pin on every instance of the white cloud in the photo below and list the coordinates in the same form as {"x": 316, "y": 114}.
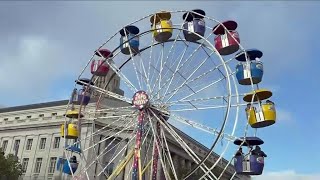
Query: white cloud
{"x": 29, "y": 70}
{"x": 286, "y": 175}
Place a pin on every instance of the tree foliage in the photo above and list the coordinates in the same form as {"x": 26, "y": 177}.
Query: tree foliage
{"x": 10, "y": 168}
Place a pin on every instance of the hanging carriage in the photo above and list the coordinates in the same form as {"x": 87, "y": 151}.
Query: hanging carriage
{"x": 194, "y": 26}
{"x": 161, "y": 26}
{"x": 82, "y": 96}
{"x": 129, "y": 41}
{"x": 226, "y": 41}
{"x": 261, "y": 114}
{"x": 252, "y": 162}
{"x": 245, "y": 71}
{"x": 71, "y": 131}
{"x": 68, "y": 166}
{"x": 100, "y": 67}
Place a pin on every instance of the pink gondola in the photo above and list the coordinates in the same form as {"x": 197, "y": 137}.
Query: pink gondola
{"x": 226, "y": 40}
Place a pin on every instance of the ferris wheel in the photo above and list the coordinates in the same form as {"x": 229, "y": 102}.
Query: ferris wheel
{"x": 161, "y": 92}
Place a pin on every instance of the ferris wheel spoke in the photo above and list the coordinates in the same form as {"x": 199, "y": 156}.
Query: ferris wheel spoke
{"x": 203, "y": 75}
{"x": 114, "y": 156}
{"x": 155, "y": 70}
{"x": 132, "y": 59}
{"x": 206, "y": 87}
{"x": 225, "y": 168}
{"x": 123, "y": 164}
{"x": 144, "y": 75}
{"x": 169, "y": 154}
{"x": 122, "y": 76}
{"x": 182, "y": 143}
{"x": 214, "y": 62}
{"x": 202, "y": 127}
{"x": 104, "y": 153}
{"x": 175, "y": 91}
{"x": 183, "y": 64}
{"x": 119, "y": 153}
{"x": 178, "y": 67}
{"x": 112, "y": 109}
{"x": 161, "y": 68}
{"x": 173, "y": 47}
{"x": 184, "y": 83}
{"x": 135, "y": 69}
{"x": 106, "y": 92}
{"x": 169, "y": 70}
{"x": 101, "y": 154}
{"x": 206, "y": 108}
{"x": 102, "y": 130}
{"x": 147, "y": 83}
{"x": 108, "y": 150}
{"x": 150, "y": 59}
{"x": 170, "y": 103}
{"x": 186, "y": 148}
{"x": 129, "y": 125}
{"x": 157, "y": 152}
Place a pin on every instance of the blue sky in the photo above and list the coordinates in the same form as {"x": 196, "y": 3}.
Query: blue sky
{"x": 44, "y": 45}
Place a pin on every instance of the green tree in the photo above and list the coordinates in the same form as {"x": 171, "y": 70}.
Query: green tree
{"x": 10, "y": 168}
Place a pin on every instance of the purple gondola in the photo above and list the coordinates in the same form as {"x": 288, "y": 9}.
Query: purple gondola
{"x": 251, "y": 163}
{"x": 194, "y": 26}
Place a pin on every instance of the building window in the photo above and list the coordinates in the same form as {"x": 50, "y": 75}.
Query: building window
{"x": 16, "y": 118}
{"x": 28, "y": 117}
{"x": 109, "y": 169}
{"x": 54, "y": 114}
{"x": 29, "y": 144}
{"x": 4, "y": 145}
{"x": 41, "y": 115}
{"x": 56, "y": 143}
{"x": 37, "y": 166}
{"x": 6, "y": 119}
{"x": 25, "y": 162}
{"x": 16, "y": 145}
{"x": 52, "y": 164}
{"x": 42, "y": 144}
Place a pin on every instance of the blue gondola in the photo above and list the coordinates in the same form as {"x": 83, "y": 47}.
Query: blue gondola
{"x": 129, "y": 33}
{"x": 251, "y": 163}
{"x": 64, "y": 164}
{"x": 74, "y": 148}
{"x": 194, "y": 24}
{"x": 247, "y": 70}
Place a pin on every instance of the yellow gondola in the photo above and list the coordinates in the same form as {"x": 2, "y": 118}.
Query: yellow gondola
{"x": 72, "y": 131}
{"x": 265, "y": 115}
{"x": 161, "y": 26}
{"x": 73, "y": 114}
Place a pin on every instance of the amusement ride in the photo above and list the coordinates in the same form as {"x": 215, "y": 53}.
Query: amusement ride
{"x": 181, "y": 72}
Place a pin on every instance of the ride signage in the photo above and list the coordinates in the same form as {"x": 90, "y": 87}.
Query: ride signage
{"x": 140, "y": 99}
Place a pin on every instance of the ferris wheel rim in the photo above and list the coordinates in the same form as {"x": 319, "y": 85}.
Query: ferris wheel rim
{"x": 221, "y": 59}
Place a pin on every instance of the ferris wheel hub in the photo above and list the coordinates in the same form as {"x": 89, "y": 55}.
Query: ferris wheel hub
{"x": 140, "y": 100}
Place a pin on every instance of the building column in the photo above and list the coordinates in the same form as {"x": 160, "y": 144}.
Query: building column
{"x": 188, "y": 164}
